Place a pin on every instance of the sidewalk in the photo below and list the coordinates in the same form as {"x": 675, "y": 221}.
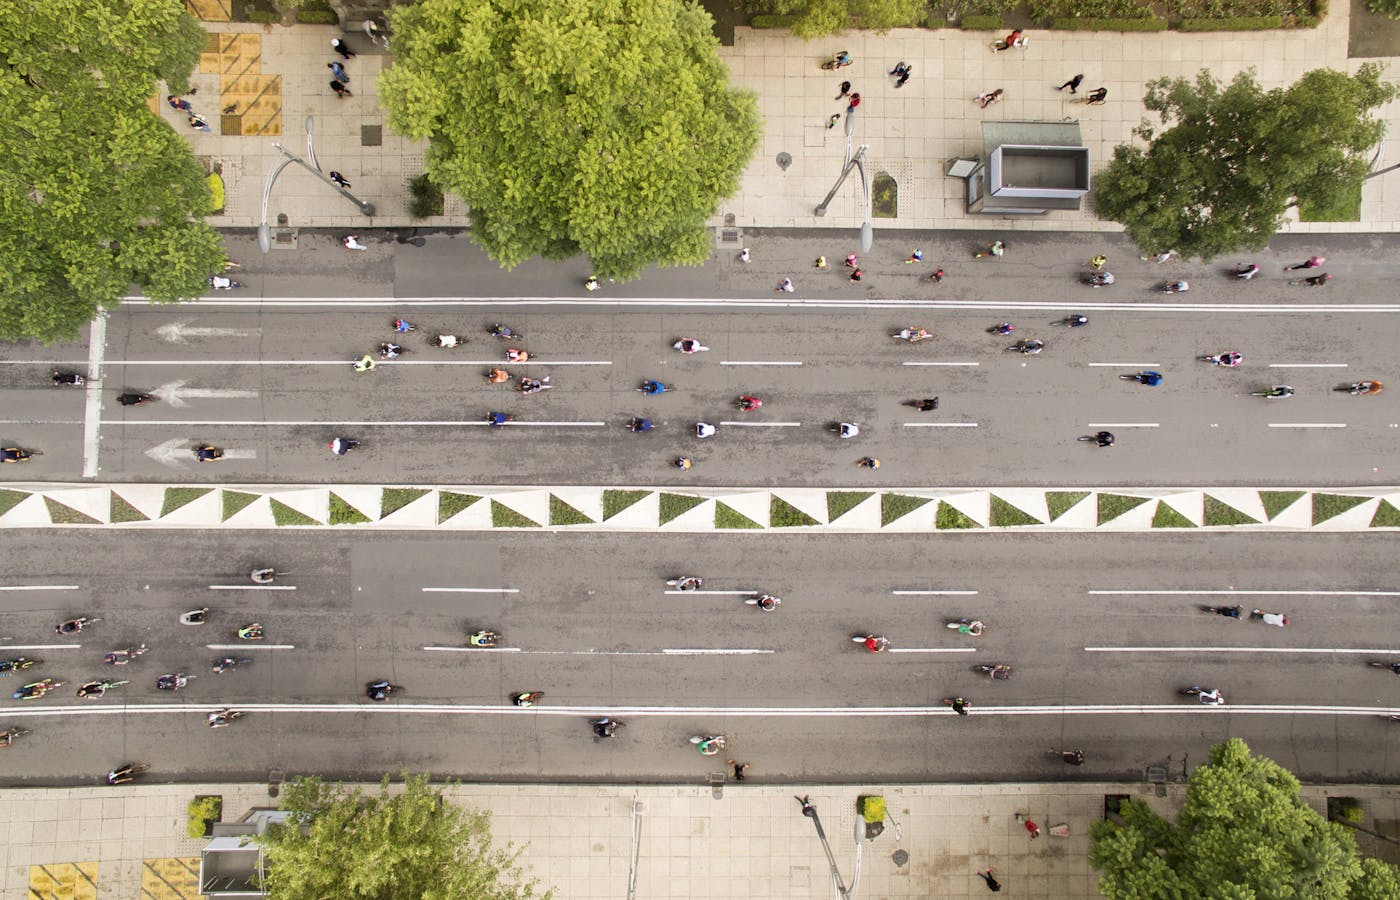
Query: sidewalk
{"x": 737, "y": 509}
{"x": 277, "y": 77}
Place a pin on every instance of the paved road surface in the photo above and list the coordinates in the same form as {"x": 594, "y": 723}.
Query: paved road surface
{"x": 588, "y": 620}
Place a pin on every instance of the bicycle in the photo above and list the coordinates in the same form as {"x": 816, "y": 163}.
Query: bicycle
{"x": 1072, "y": 321}
{"x": 1278, "y": 391}
{"x": 1068, "y": 757}
{"x": 8, "y": 737}
{"x": 841, "y": 60}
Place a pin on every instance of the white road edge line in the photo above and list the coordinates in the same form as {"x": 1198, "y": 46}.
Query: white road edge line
{"x": 8, "y": 647}
{"x": 1307, "y": 425}
{"x": 1126, "y": 365}
{"x": 495, "y": 361}
{"x": 92, "y": 407}
{"x": 702, "y": 651}
{"x": 468, "y": 590}
{"x": 968, "y": 364}
{"x": 940, "y": 424}
{"x": 285, "y": 423}
{"x": 929, "y": 650}
{"x": 1356, "y": 651}
{"x": 476, "y": 649}
{"x": 746, "y": 362}
{"x": 40, "y": 587}
{"x": 250, "y": 646}
{"x": 1123, "y": 425}
{"x": 744, "y": 593}
{"x": 761, "y": 424}
{"x": 251, "y": 587}
{"x": 1249, "y": 593}
{"x": 1307, "y": 365}
{"x": 934, "y": 593}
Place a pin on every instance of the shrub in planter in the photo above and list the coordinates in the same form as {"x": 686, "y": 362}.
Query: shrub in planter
{"x": 203, "y": 810}
{"x": 426, "y": 200}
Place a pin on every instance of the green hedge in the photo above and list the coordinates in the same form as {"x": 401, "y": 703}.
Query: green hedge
{"x": 1148, "y": 24}
{"x": 1239, "y": 23}
{"x": 267, "y": 17}
{"x": 317, "y": 17}
{"x": 935, "y": 22}
{"x": 772, "y": 21}
{"x": 981, "y": 23}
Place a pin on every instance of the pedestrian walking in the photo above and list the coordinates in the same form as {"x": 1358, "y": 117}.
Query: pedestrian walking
{"x": 992, "y": 884}
{"x": 853, "y": 103}
{"x": 902, "y": 71}
{"x": 786, "y": 286}
{"x": 739, "y": 770}
{"x": 744, "y": 255}
{"x": 1013, "y": 39}
{"x": 338, "y": 72}
{"x": 179, "y": 103}
{"x": 1031, "y": 828}
{"x": 1312, "y": 262}
{"x": 1096, "y": 97}
{"x": 339, "y": 179}
{"x": 1098, "y": 262}
{"x": 916, "y": 256}
{"x": 591, "y": 283}
{"x": 845, "y": 89}
{"x": 352, "y": 242}
{"x": 831, "y": 122}
{"x": 851, "y": 261}
{"x": 1072, "y": 84}
{"x": 937, "y": 276}
{"x": 821, "y": 262}
{"x": 989, "y": 97}
{"x": 340, "y": 89}
{"x": 1159, "y": 257}
{"x": 342, "y": 48}
{"x": 927, "y": 405}
{"x": 856, "y": 274}
{"x": 197, "y": 122}
{"x": 808, "y": 809}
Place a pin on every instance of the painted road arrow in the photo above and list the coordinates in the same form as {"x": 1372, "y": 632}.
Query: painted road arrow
{"x": 175, "y": 393}
{"x": 179, "y": 332}
{"x": 178, "y": 451}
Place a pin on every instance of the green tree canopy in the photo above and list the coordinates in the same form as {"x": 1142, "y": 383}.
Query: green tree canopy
{"x": 606, "y": 127}
{"x": 1232, "y": 159}
{"x": 398, "y": 844}
{"x": 96, "y": 191}
{"x": 1244, "y": 834}
{"x": 817, "y": 18}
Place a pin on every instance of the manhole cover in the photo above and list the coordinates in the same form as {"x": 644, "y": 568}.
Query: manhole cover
{"x": 900, "y": 857}
{"x": 784, "y": 160}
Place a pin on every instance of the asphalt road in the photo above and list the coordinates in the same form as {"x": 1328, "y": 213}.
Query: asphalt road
{"x": 588, "y": 620}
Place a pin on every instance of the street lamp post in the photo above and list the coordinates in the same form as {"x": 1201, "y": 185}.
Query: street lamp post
{"x": 314, "y": 167}
{"x": 867, "y": 231}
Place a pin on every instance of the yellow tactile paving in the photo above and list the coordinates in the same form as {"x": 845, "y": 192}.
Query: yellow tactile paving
{"x": 170, "y": 878}
{"x": 210, "y": 10}
{"x": 63, "y": 881}
{"x": 255, "y": 98}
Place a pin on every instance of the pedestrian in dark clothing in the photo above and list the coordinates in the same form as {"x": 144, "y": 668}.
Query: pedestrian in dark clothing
{"x": 902, "y": 71}
{"x": 845, "y": 89}
{"x": 339, "y": 179}
{"x": 1097, "y": 96}
{"x": 196, "y": 122}
{"x": 937, "y": 276}
{"x": 899, "y": 82}
{"x": 338, "y": 72}
{"x": 808, "y": 809}
{"x": 1009, "y": 41}
{"x": 179, "y": 103}
{"x": 989, "y": 97}
{"x": 739, "y": 769}
{"x": 342, "y": 48}
{"x": 856, "y": 274}
{"x": 831, "y": 122}
{"x": 854, "y": 102}
{"x": 992, "y": 884}
{"x": 1072, "y": 84}
{"x": 340, "y": 89}
{"x": 927, "y": 405}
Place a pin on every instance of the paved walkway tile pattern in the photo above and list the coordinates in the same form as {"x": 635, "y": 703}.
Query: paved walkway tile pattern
{"x": 583, "y": 508}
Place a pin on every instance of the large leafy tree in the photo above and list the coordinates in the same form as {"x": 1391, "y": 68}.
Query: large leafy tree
{"x": 1244, "y": 833}
{"x": 1231, "y": 159}
{"x": 817, "y": 18}
{"x": 96, "y": 192}
{"x": 606, "y": 127}
{"x": 412, "y": 843}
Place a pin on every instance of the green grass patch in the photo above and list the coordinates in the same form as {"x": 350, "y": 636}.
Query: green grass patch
{"x": 949, "y": 517}
{"x": 282, "y": 514}
{"x": 615, "y": 502}
{"x": 123, "y": 511}
{"x": 1146, "y": 22}
{"x": 395, "y": 499}
{"x": 1111, "y": 506}
{"x": 503, "y": 516}
{"x": 1276, "y": 502}
{"x": 561, "y": 513}
{"x": 1004, "y": 515}
{"x": 10, "y": 499}
{"x": 673, "y": 505}
{"x": 60, "y": 514}
{"x": 342, "y": 513}
{"x": 838, "y": 503}
{"x": 1220, "y": 513}
{"x": 181, "y": 496}
{"x": 1233, "y": 23}
{"x": 235, "y": 502}
{"x": 771, "y": 21}
{"x": 1387, "y": 516}
{"x": 728, "y": 517}
{"x": 1339, "y": 206}
{"x": 1166, "y": 517}
{"x": 1328, "y": 506}
{"x": 982, "y": 23}
{"x": 895, "y": 506}
{"x": 450, "y": 503}
{"x": 884, "y": 196}
{"x": 1061, "y": 502}
{"x": 782, "y": 514}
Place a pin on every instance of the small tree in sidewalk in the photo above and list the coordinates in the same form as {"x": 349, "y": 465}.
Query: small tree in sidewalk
{"x": 1244, "y": 833}
{"x": 345, "y": 844}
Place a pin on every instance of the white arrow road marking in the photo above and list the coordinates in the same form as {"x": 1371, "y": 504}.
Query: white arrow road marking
{"x": 177, "y": 451}
{"x": 179, "y": 332}
{"x": 175, "y": 393}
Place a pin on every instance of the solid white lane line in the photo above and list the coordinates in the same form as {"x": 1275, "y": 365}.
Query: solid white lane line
{"x": 8, "y": 647}
{"x": 1122, "y": 425}
{"x": 934, "y": 593}
{"x": 1250, "y": 593}
{"x": 252, "y": 646}
{"x": 1307, "y": 425}
{"x": 347, "y": 363}
{"x": 1127, "y": 365}
{"x": 92, "y": 405}
{"x": 972, "y": 364}
{"x": 701, "y": 651}
{"x": 252, "y": 587}
{"x": 469, "y": 590}
{"x": 1307, "y": 365}
{"x": 1341, "y": 650}
{"x": 940, "y": 424}
{"x": 39, "y": 587}
{"x": 292, "y": 423}
{"x": 755, "y": 362}
{"x": 741, "y": 424}
{"x": 476, "y": 649}
{"x": 929, "y": 650}
{"x": 744, "y": 593}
